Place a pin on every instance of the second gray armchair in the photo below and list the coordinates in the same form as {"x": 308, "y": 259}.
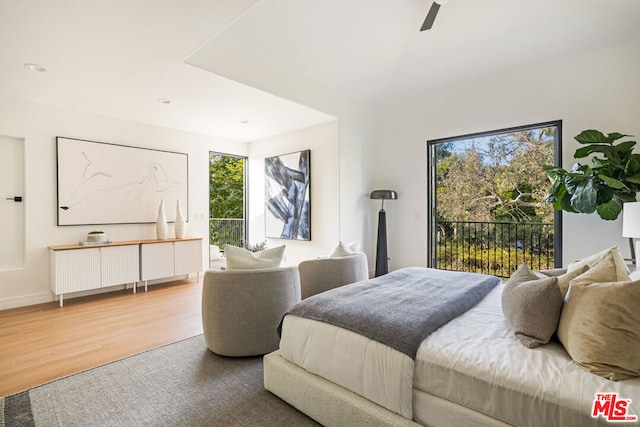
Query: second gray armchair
{"x": 322, "y": 274}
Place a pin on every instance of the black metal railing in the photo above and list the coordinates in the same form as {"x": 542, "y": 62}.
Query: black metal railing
{"x": 226, "y": 231}
{"x": 496, "y": 248}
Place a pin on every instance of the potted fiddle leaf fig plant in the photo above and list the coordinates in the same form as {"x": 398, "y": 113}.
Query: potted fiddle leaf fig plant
{"x": 612, "y": 178}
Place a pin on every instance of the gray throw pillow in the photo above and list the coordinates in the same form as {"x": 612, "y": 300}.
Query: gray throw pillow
{"x": 532, "y": 306}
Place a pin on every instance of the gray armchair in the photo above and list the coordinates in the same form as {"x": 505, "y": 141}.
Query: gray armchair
{"x": 322, "y": 274}
{"x": 241, "y": 309}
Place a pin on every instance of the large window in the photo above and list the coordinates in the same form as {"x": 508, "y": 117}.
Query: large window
{"x": 227, "y": 206}
{"x": 487, "y": 206}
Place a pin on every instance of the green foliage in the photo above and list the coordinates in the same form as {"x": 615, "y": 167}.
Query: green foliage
{"x": 226, "y": 199}
{"x": 612, "y": 179}
{"x": 495, "y": 179}
{"x": 498, "y": 261}
{"x": 226, "y": 186}
{"x": 494, "y": 248}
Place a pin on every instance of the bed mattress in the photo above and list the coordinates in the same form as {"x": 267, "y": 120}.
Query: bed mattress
{"x": 473, "y": 361}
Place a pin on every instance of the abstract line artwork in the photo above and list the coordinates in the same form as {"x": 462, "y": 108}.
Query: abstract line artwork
{"x": 288, "y": 207}
{"x": 101, "y": 183}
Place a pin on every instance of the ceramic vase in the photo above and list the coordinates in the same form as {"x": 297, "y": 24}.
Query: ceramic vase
{"x": 181, "y": 224}
{"x": 162, "y": 229}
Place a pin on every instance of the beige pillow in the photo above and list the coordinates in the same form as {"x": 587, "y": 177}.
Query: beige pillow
{"x": 600, "y": 326}
{"x": 531, "y": 306}
{"x": 242, "y": 259}
{"x": 621, "y": 269}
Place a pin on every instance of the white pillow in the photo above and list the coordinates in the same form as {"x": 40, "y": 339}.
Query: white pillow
{"x": 242, "y": 259}
{"x": 345, "y": 250}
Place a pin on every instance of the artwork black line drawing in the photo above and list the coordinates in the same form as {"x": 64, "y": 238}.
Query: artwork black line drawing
{"x": 288, "y": 196}
{"x": 102, "y": 183}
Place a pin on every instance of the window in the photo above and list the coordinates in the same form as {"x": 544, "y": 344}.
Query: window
{"x": 487, "y": 211}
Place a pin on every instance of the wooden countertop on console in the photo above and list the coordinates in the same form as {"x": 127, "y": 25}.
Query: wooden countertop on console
{"x": 123, "y": 243}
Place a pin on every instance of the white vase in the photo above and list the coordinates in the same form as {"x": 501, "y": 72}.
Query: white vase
{"x": 181, "y": 224}
{"x": 162, "y": 229}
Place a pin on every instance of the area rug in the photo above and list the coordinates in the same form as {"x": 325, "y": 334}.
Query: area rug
{"x": 181, "y": 384}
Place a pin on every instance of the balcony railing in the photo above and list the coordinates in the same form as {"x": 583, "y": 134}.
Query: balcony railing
{"x": 496, "y": 248}
{"x": 226, "y": 231}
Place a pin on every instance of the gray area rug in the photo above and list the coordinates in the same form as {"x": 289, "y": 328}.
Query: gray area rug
{"x": 181, "y": 384}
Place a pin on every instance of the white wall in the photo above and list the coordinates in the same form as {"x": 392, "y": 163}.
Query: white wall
{"x": 600, "y": 90}
{"x": 323, "y": 141}
{"x": 39, "y": 124}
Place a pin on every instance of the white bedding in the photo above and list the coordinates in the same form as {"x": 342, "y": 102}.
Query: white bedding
{"x": 473, "y": 361}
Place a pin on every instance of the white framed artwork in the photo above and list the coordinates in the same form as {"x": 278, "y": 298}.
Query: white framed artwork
{"x": 103, "y": 183}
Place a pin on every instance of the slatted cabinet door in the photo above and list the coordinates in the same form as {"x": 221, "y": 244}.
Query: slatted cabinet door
{"x": 157, "y": 260}
{"x": 188, "y": 257}
{"x": 75, "y": 270}
{"x": 120, "y": 264}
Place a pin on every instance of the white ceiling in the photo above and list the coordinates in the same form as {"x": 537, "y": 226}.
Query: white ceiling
{"x": 118, "y": 57}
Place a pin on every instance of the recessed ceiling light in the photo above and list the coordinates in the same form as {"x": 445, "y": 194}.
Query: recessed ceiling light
{"x": 244, "y": 121}
{"x": 164, "y": 100}
{"x": 35, "y": 67}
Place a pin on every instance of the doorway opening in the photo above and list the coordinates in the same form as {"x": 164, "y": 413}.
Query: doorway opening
{"x": 227, "y": 200}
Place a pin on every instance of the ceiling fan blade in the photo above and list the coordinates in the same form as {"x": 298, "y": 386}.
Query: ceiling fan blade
{"x": 431, "y": 16}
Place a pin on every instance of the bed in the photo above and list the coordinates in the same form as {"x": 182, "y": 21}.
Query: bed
{"x": 470, "y": 370}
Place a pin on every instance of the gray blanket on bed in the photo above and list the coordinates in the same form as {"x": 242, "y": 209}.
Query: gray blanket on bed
{"x": 399, "y": 309}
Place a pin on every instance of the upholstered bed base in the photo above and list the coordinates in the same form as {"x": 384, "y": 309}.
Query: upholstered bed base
{"x": 332, "y": 405}
{"x": 322, "y": 400}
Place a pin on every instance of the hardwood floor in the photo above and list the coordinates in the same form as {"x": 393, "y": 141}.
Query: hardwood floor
{"x": 44, "y": 342}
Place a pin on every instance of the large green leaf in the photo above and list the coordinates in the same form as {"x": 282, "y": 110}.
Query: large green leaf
{"x": 585, "y": 196}
{"x": 624, "y": 148}
{"x": 613, "y": 136}
{"x": 609, "y": 211}
{"x": 612, "y": 182}
{"x": 634, "y": 179}
{"x": 553, "y": 171}
{"x": 565, "y": 205}
{"x": 626, "y": 196}
{"x": 632, "y": 166}
{"x": 591, "y": 136}
{"x": 598, "y": 148}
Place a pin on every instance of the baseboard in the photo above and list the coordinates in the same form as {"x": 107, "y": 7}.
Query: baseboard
{"x": 44, "y": 297}
{"x": 25, "y": 300}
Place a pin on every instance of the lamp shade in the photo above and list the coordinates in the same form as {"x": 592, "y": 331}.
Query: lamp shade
{"x": 384, "y": 194}
{"x": 631, "y": 220}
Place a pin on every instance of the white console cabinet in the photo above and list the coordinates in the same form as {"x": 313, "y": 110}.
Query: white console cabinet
{"x": 80, "y": 268}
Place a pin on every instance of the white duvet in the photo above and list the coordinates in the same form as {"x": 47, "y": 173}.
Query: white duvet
{"x": 473, "y": 361}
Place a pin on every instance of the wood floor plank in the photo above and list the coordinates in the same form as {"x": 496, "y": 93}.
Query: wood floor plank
{"x": 44, "y": 342}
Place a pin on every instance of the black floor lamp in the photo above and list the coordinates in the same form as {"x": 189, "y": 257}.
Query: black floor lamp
{"x": 382, "y": 259}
